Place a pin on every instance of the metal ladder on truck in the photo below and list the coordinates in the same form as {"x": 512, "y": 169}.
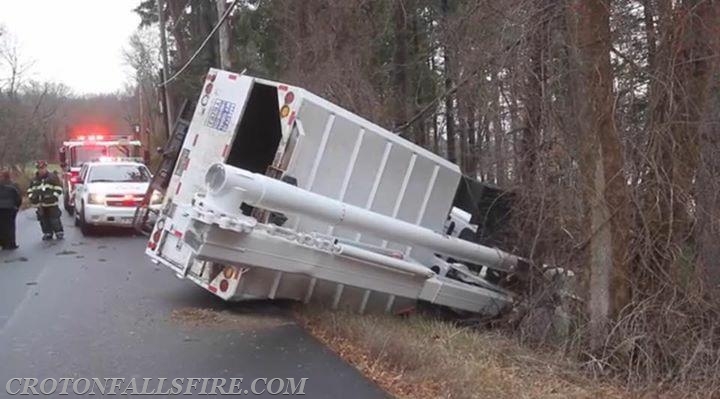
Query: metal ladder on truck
{"x": 161, "y": 177}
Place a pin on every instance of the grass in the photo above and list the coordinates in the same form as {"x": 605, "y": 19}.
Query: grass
{"x": 417, "y": 357}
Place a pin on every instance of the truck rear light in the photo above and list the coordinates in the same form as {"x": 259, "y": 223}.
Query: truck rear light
{"x": 289, "y": 97}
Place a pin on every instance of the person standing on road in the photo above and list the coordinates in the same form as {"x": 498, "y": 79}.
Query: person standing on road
{"x": 44, "y": 192}
{"x": 10, "y": 201}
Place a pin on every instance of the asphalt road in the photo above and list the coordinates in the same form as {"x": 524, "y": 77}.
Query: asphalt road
{"x": 97, "y": 308}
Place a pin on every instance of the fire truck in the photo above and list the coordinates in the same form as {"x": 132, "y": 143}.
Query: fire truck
{"x": 91, "y": 148}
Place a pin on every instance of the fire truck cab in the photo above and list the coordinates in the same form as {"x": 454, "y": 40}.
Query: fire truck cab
{"x": 92, "y": 148}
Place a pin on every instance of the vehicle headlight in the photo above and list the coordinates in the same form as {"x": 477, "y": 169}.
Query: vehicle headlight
{"x": 156, "y": 198}
{"x": 96, "y": 199}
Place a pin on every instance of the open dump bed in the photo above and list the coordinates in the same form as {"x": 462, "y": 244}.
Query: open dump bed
{"x": 287, "y": 133}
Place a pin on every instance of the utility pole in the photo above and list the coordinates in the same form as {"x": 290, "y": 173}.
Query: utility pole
{"x": 164, "y": 87}
{"x": 224, "y": 37}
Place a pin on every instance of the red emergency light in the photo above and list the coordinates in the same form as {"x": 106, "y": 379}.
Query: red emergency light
{"x": 92, "y": 137}
{"x": 93, "y": 132}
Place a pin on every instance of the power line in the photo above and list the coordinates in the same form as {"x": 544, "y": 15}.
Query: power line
{"x": 202, "y": 45}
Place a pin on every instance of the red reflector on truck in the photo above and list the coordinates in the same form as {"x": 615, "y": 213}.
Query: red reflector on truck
{"x": 156, "y": 236}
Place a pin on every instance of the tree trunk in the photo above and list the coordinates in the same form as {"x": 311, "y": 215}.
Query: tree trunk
{"x": 400, "y": 62}
{"x": 463, "y": 133}
{"x": 499, "y": 149}
{"x": 686, "y": 61}
{"x": 449, "y": 103}
{"x": 707, "y": 190}
{"x": 601, "y": 165}
{"x": 650, "y": 36}
{"x": 224, "y": 37}
{"x": 527, "y": 170}
{"x": 473, "y": 146}
{"x": 177, "y": 12}
{"x": 419, "y": 131}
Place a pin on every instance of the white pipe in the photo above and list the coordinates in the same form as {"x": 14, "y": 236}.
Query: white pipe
{"x": 350, "y": 251}
{"x": 228, "y": 187}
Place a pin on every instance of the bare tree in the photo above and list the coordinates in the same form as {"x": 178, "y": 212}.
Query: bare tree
{"x": 15, "y": 65}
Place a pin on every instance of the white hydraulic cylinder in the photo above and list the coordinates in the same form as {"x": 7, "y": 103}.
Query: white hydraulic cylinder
{"x": 350, "y": 251}
{"x": 228, "y": 187}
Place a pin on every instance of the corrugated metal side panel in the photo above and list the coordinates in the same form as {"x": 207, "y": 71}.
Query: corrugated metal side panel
{"x": 348, "y": 158}
{"x": 437, "y": 206}
{"x": 390, "y": 189}
{"x": 364, "y": 174}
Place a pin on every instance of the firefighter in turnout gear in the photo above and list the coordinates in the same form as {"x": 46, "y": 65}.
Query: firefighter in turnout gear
{"x": 44, "y": 192}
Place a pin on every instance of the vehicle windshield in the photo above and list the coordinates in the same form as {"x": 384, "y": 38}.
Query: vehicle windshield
{"x": 118, "y": 174}
{"x": 87, "y": 153}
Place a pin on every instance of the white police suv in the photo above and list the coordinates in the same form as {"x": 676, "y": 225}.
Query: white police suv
{"x": 108, "y": 192}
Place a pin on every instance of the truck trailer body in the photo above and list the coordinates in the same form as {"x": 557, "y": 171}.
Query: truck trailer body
{"x": 278, "y": 193}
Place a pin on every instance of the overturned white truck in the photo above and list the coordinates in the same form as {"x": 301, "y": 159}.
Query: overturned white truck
{"x": 277, "y": 193}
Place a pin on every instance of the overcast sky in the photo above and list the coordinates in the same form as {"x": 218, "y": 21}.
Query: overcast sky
{"x": 75, "y": 42}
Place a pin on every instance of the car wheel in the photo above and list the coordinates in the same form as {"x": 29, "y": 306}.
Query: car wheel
{"x": 85, "y": 228}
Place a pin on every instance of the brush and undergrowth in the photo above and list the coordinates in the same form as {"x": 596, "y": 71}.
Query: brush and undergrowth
{"x": 420, "y": 356}
{"x": 664, "y": 344}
